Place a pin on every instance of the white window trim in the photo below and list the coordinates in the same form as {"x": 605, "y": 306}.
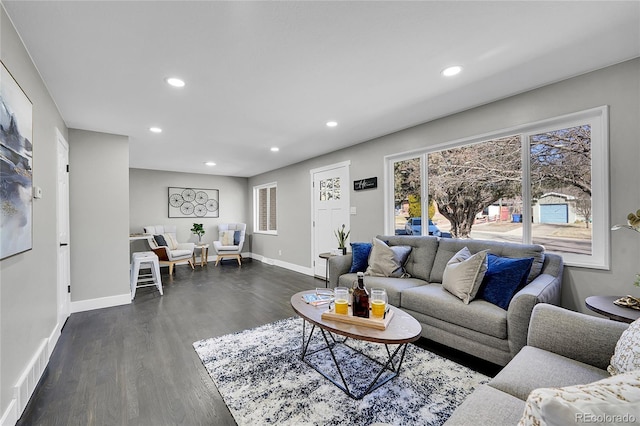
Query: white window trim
{"x": 597, "y": 117}
{"x": 256, "y": 208}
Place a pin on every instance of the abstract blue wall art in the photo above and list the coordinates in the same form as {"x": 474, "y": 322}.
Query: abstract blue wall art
{"x": 16, "y": 174}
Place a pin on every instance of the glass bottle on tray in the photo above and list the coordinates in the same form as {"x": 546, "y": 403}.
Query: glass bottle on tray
{"x": 360, "y": 302}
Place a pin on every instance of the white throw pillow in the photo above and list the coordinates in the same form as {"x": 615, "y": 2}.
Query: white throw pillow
{"x": 226, "y": 238}
{"x": 626, "y": 356}
{"x": 464, "y": 273}
{"x": 614, "y": 400}
{"x": 171, "y": 241}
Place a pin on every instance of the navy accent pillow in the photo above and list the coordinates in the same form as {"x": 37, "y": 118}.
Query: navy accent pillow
{"x": 504, "y": 277}
{"x": 360, "y": 256}
{"x": 160, "y": 240}
{"x": 236, "y": 238}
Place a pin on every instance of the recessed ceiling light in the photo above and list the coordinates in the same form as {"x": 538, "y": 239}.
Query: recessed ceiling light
{"x": 332, "y": 123}
{"x": 275, "y": 149}
{"x": 175, "y": 82}
{"x": 451, "y": 71}
{"x": 155, "y": 129}
{"x": 210, "y": 163}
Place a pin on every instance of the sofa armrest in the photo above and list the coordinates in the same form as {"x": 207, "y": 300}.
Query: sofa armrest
{"x": 574, "y": 335}
{"x": 186, "y": 246}
{"x": 338, "y": 265}
{"x": 545, "y": 288}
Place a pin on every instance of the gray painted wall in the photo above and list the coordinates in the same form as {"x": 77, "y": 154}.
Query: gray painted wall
{"x": 617, "y": 86}
{"x": 99, "y": 214}
{"x": 148, "y": 200}
{"x": 28, "y": 280}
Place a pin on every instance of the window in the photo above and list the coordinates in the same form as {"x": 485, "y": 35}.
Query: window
{"x": 543, "y": 183}
{"x": 264, "y": 204}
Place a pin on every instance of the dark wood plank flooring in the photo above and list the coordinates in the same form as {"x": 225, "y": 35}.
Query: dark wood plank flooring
{"x": 134, "y": 364}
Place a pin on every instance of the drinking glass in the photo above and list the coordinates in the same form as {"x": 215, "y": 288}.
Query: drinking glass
{"x": 341, "y": 299}
{"x": 378, "y": 302}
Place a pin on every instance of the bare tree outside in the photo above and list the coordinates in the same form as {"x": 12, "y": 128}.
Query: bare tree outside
{"x": 464, "y": 181}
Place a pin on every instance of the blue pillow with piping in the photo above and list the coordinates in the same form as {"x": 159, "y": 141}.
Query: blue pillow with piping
{"x": 360, "y": 256}
{"x": 504, "y": 277}
{"x": 236, "y": 238}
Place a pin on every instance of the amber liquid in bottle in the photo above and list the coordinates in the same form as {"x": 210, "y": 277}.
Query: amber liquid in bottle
{"x": 360, "y": 303}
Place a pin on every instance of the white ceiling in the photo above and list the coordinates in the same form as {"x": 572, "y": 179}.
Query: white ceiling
{"x": 263, "y": 74}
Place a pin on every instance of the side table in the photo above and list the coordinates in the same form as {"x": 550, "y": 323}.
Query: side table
{"x": 204, "y": 254}
{"x": 326, "y": 257}
{"x": 604, "y": 305}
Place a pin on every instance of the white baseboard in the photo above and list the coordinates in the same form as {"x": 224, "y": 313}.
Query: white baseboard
{"x": 10, "y": 416}
{"x": 286, "y": 265}
{"x": 28, "y": 380}
{"x": 101, "y": 302}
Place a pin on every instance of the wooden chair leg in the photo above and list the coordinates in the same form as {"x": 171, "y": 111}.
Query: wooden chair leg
{"x": 239, "y": 259}
{"x": 171, "y": 268}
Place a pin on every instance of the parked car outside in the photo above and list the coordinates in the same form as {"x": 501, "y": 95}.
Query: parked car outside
{"x": 414, "y": 227}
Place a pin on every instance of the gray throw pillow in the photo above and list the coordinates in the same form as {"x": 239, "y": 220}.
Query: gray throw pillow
{"x": 464, "y": 273}
{"x": 385, "y": 261}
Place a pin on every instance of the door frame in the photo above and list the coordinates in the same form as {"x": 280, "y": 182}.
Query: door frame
{"x": 346, "y": 165}
{"x": 63, "y": 295}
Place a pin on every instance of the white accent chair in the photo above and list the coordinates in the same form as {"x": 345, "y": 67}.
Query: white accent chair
{"x": 173, "y": 253}
{"x": 227, "y": 245}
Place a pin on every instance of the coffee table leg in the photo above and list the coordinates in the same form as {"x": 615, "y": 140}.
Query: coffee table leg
{"x": 389, "y": 365}
{"x": 373, "y": 386}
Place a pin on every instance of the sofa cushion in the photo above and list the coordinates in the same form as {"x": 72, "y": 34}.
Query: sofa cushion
{"x": 394, "y": 286}
{"x": 360, "y": 256}
{"x": 447, "y": 247}
{"x": 612, "y": 400}
{"x": 181, "y": 253}
{"x": 479, "y": 315}
{"x": 423, "y": 250}
{"x": 385, "y": 261}
{"x": 626, "y": 356}
{"x": 534, "y": 368}
{"x": 464, "y": 273}
{"x": 487, "y": 406}
{"x": 504, "y": 277}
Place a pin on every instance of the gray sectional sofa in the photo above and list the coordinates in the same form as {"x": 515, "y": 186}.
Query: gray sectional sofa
{"x": 564, "y": 348}
{"x": 479, "y": 328}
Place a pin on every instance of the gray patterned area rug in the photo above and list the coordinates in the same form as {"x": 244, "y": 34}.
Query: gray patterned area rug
{"x": 263, "y": 381}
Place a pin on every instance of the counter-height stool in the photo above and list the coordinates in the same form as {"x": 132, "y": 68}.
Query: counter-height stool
{"x": 145, "y": 260}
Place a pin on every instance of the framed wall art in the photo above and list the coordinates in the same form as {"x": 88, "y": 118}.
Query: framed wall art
{"x": 16, "y": 174}
{"x": 193, "y": 202}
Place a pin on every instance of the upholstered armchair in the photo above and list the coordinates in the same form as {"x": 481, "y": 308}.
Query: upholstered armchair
{"x": 230, "y": 241}
{"x": 169, "y": 251}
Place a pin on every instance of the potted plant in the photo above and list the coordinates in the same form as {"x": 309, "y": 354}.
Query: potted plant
{"x": 633, "y": 223}
{"x": 342, "y": 236}
{"x": 198, "y": 229}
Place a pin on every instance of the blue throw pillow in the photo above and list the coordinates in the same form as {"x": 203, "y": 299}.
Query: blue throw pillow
{"x": 236, "y": 238}
{"x": 360, "y": 258}
{"x": 160, "y": 241}
{"x": 504, "y": 277}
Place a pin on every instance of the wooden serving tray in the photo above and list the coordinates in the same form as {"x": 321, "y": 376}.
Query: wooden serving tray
{"x": 380, "y": 324}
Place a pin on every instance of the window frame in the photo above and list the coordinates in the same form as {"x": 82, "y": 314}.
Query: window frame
{"x": 256, "y": 208}
{"x": 597, "y": 118}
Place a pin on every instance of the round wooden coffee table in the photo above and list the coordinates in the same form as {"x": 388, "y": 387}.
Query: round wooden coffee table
{"x": 402, "y": 330}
